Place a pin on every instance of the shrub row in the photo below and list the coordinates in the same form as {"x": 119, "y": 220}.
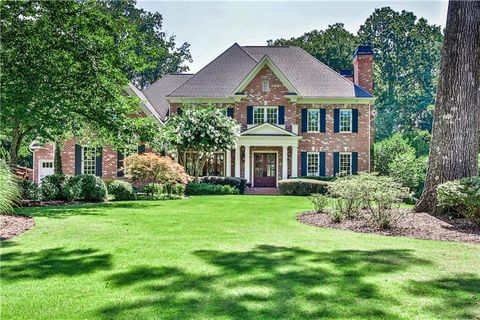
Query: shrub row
{"x": 302, "y": 187}
{"x": 238, "y": 183}
{"x": 209, "y": 189}
{"x": 82, "y": 187}
{"x": 321, "y": 178}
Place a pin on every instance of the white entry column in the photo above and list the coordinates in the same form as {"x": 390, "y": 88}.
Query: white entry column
{"x": 294, "y": 161}
{"x": 284, "y": 162}
{"x": 247, "y": 163}
{"x": 237, "y": 161}
{"x": 228, "y": 161}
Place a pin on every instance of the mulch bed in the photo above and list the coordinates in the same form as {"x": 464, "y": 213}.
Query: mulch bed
{"x": 413, "y": 225}
{"x": 11, "y": 225}
{"x": 37, "y": 203}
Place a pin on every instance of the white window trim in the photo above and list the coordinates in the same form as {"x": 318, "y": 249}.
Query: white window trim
{"x": 267, "y": 83}
{"x": 265, "y": 108}
{"x": 340, "y": 122}
{"x": 83, "y": 160}
{"x": 318, "y": 123}
{"x": 318, "y": 163}
{"x": 340, "y": 161}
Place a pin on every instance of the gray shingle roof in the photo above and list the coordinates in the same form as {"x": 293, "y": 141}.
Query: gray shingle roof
{"x": 156, "y": 92}
{"x": 308, "y": 75}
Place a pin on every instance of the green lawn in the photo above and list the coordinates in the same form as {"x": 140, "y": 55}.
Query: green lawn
{"x": 229, "y": 257}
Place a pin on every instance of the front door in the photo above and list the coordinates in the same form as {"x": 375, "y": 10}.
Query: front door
{"x": 265, "y": 174}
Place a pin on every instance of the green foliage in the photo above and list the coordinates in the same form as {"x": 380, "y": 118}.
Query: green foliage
{"x": 78, "y": 87}
{"x": 195, "y": 189}
{"x": 386, "y": 151}
{"x": 235, "y": 182}
{"x": 407, "y": 60}
{"x": 155, "y": 191}
{"x": 333, "y": 46}
{"x": 29, "y": 190}
{"x": 9, "y": 190}
{"x": 461, "y": 196}
{"x": 324, "y": 178}
{"x": 200, "y": 130}
{"x": 120, "y": 190}
{"x": 378, "y": 194}
{"x": 53, "y": 187}
{"x": 93, "y": 188}
{"x": 319, "y": 201}
{"x": 73, "y": 188}
{"x": 302, "y": 187}
{"x": 409, "y": 171}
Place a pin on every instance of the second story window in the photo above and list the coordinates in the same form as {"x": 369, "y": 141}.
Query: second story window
{"x": 265, "y": 114}
{"x": 265, "y": 86}
{"x": 313, "y": 120}
{"x": 345, "y": 120}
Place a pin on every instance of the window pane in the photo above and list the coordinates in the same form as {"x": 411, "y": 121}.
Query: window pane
{"x": 89, "y": 155}
{"x": 265, "y": 86}
{"x": 258, "y": 115}
{"x": 313, "y": 120}
{"x": 345, "y": 163}
{"x": 345, "y": 120}
{"x": 312, "y": 164}
{"x": 272, "y": 115}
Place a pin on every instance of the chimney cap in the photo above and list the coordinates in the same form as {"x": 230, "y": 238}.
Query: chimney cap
{"x": 363, "y": 50}
{"x": 346, "y": 73}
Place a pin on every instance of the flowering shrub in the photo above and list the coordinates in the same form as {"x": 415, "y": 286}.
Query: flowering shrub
{"x": 201, "y": 130}
{"x": 121, "y": 190}
{"x": 319, "y": 201}
{"x": 461, "y": 196}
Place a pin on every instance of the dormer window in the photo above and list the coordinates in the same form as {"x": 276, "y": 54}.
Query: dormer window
{"x": 265, "y": 86}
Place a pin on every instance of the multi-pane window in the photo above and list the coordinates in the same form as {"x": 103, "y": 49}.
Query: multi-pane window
{"x": 265, "y": 86}
{"x": 265, "y": 114}
{"x": 47, "y": 164}
{"x": 313, "y": 120}
{"x": 345, "y": 163}
{"x": 89, "y": 160}
{"x": 345, "y": 120}
{"x": 312, "y": 164}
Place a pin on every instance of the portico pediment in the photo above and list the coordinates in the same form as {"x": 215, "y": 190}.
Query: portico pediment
{"x": 267, "y": 129}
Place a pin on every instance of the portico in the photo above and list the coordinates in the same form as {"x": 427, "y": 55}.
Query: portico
{"x": 265, "y": 154}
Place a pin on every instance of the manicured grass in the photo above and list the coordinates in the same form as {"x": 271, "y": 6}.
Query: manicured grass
{"x": 226, "y": 257}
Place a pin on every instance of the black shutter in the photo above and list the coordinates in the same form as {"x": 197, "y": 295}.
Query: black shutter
{"x": 230, "y": 112}
{"x": 120, "y": 157}
{"x": 354, "y": 120}
{"x": 336, "y": 163}
{"x": 321, "y": 164}
{"x": 281, "y": 114}
{"x": 249, "y": 114}
{"x": 98, "y": 163}
{"x": 336, "y": 120}
{"x": 141, "y": 149}
{"x": 304, "y": 120}
{"x": 303, "y": 171}
{"x": 323, "y": 120}
{"x": 354, "y": 162}
{"x": 179, "y": 111}
{"x": 78, "y": 159}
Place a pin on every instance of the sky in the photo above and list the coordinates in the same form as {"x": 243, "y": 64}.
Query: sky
{"x": 211, "y": 27}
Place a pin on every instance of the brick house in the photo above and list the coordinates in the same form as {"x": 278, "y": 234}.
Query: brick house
{"x": 298, "y": 117}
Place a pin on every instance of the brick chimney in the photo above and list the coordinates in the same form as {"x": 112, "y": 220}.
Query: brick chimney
{"x": 363, "y": 68}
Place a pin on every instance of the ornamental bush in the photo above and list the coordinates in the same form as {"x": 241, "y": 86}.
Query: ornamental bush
{"x": 93, "y": 188}
{"x": 319, "y": 201}
{"x": 29, "y": 190}
{"x": 410, "y": 171}
{"x": 120, "y": 190}
{"x": 235, "y": 182}
{"x": 73, "y": 188}
{"x": 386, "y": 151}
{"x": 321, "y": 178}
{"x": 462, "y": 197}
{"x": 302, "y": 187}
{"x": 53, "y": 187}
{"x": 9, "y": 189}
{"x": 209, "y": 189}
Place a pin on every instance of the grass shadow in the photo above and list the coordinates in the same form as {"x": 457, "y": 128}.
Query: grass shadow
{"x": 267, "y": 282}
{"x": 46, "y": 263}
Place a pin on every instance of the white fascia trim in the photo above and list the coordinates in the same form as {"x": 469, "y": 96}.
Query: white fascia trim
{"x": 265, "y": 61}
{"x": 144, "y": 103}
{"x": 268, "y": 141}
{"x": 299, "y": 99}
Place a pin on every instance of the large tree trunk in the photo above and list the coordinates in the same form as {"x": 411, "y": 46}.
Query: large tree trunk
{"x": 17, "y": 137}
{"x": 58, "y": 158}
{"x": 456, "y": 123}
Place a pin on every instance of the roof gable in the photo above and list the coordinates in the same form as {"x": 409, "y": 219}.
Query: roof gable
{"x": 267, "y": 129}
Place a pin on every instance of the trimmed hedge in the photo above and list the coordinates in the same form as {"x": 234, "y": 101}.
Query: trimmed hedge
{"x": 93, "y": 188}
{"x": 320, "y": 178}
{"x": 209, "y": 189}
{"x": 53, "y": 187}
{"x": 302, "y": 187}
{"x": 238, "y": 183}
{"x": 120, "y": 190}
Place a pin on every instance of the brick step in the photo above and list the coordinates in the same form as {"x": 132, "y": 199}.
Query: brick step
{"x": 263, "y": 191}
